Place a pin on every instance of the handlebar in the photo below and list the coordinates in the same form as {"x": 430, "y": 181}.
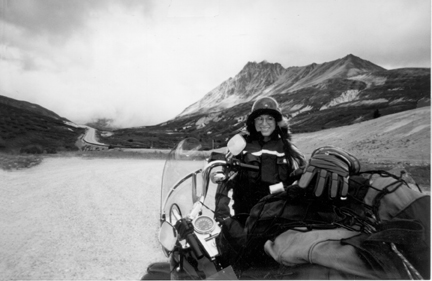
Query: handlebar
{"x": 218, "y": 163}
{"x": 248, "y": 166}
{"x": 230, "y": 161}
{"x": 185, "y": 229}
{"x": 193, "y": 242}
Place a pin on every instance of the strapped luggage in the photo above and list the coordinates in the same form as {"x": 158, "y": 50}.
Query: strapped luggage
{"x": 378, "y": 206}
{"x": 379, "y": 229}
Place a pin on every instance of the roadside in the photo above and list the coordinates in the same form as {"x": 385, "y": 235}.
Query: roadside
{"x": 17, "y": 162}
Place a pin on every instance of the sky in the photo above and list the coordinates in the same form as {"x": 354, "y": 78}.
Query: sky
{"x": 142, "y": 62}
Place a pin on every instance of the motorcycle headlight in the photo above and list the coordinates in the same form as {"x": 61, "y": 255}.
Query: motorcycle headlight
{"x": 204, "y": 224}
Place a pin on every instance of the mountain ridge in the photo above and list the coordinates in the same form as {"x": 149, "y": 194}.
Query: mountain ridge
{"x": 269, "y": 79}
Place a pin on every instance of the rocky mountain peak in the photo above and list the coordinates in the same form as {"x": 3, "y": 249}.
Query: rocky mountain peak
{"x": 265, "y": 78}
{"x": 262, "y": 66}
{"x": 354, "y": 62}
{"x": 350, "y": 56}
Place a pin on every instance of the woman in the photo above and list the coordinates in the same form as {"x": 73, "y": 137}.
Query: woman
{"x": 270, "y": 148}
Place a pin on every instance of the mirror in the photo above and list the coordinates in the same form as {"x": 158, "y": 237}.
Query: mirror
{"x": 236, "y": 144}
{"x": 167, "y": 236}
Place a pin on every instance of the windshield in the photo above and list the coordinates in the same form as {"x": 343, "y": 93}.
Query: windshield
{"x": 183, "y": 185}
{"x": 182, "y": 168}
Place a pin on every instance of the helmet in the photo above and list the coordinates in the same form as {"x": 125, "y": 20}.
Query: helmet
{"x": 265, "y": 105}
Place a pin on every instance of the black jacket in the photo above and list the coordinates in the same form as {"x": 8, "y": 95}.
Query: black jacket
{"x": 249, "y": 186}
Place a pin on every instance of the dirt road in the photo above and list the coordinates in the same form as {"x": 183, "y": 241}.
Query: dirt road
{"x": 72, "y": 218}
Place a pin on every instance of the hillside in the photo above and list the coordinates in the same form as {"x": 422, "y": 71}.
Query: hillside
{"x": 32, "y": 107}
{"x": 400, "y": 137}
{"x": 315, "y": 97}
{"x": 35, "y": 130}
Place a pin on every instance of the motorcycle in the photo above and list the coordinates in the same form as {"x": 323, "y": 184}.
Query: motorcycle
{"x": 187, "y": 196}
{"x": 189, "y": 233}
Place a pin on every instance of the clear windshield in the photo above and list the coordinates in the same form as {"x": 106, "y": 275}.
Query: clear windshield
{"x": 181, "y": 169}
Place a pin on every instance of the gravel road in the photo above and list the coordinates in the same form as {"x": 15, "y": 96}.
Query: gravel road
{"x": 81, "y": 219}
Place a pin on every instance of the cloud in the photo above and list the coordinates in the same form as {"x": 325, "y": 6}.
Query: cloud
{"x": 60, "y": 19}
{"x": 43, "y": 29}
{"x": 142, "y": 62}
{"x": 57, "y": 19}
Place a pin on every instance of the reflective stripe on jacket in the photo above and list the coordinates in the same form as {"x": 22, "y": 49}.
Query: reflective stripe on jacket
{"x": 250, "y": 185}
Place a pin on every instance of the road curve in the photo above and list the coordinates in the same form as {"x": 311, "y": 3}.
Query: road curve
{"x": 90, "y": 137}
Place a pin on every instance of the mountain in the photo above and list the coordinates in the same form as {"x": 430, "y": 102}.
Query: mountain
{"x": 342, "y": 92}
{"x": 257, "y": 79}
{"x": 252, "y": 79}
{"x": 30, "y": 128}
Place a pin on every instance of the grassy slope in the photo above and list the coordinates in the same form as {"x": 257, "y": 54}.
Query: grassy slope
{"x": 22, "y": 129}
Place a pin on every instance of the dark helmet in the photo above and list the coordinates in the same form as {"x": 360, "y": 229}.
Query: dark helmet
{"x": 265, "y": 105}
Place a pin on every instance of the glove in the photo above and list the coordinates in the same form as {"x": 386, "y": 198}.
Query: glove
{"x": 331, "y": 166}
